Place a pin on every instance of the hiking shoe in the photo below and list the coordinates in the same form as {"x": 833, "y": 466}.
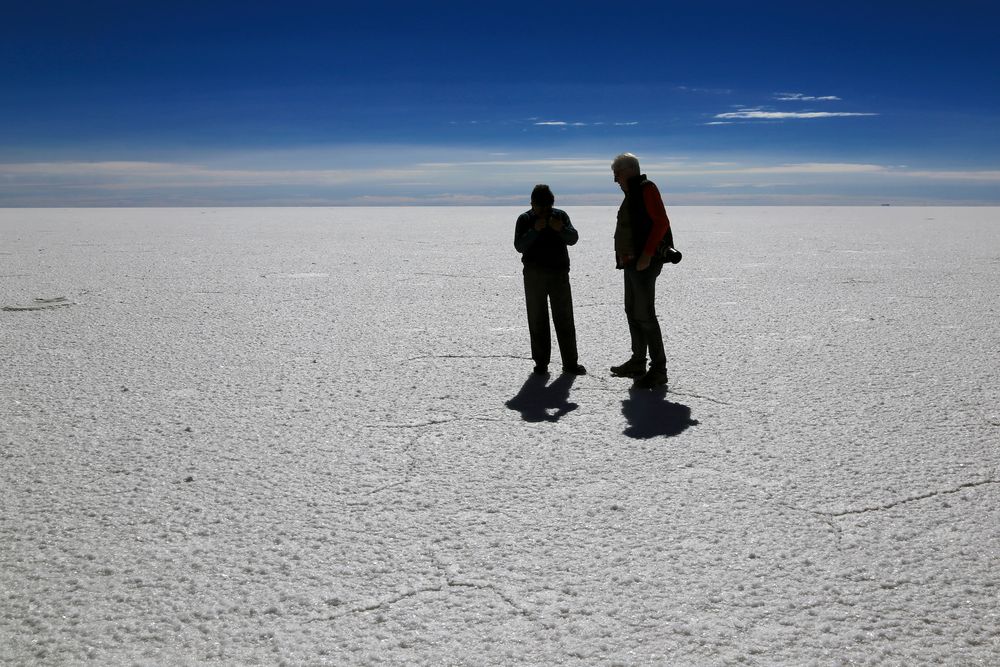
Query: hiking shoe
{"x": 575, "y": 369}
{"x": 541, "y": 370}
{"x": 632, "y": 368}
{"x": 655, "y": 377}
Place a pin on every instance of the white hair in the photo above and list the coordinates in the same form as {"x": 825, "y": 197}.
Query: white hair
{"x": 626, "y": 160}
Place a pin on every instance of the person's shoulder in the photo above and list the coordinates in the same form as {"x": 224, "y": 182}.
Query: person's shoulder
{"x": 560, "y": 213}
{"x": 524, "y": 217}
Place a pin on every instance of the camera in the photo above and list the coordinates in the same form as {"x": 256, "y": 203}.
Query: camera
{"x": 672, "y": 255}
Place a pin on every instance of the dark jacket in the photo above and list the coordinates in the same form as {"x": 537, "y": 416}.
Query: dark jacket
{"x": 635, "y": 224}
{"x": 544, "y": 249}
{"x": 638, "y": 216}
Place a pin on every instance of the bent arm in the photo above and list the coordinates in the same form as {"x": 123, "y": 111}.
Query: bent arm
{"x": 568, "y": 232}
{"x": 524, "y": 234}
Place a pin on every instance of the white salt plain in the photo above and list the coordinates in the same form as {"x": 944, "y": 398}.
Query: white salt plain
{"x": 255, "y": 436}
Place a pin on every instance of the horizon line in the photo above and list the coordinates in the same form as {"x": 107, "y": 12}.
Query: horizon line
{"x": 517, "y": 206}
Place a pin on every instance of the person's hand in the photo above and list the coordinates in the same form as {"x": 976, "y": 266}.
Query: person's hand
{"x": 540, "y": 224}
{"x": 643, "y": 263}
{"x": 556, "y": 224}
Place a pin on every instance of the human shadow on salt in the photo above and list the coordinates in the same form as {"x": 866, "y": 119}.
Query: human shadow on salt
{"x": 651, "y": 415}
{"x": 540, "y": 403}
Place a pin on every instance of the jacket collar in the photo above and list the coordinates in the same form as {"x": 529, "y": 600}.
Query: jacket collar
{"x": 635, "y": 183}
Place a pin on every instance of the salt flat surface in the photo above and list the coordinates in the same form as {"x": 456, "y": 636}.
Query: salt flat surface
{"x": 248, "y": 436}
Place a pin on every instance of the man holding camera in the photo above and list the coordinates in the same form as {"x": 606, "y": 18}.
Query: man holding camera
{"x": 542, "y": 236}
{"x": 642, "y": 224}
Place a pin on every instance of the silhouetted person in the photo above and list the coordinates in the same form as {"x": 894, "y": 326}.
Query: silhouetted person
{"x": 642, "y": 224}
{"x": 542, "y": 235}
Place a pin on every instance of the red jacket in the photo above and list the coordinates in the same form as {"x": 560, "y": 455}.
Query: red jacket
{"x": 647, "y": 215}
{"x": 657, "y": 215}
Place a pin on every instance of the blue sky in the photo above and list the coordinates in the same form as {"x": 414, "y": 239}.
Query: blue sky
{"x": 316, "y": 103}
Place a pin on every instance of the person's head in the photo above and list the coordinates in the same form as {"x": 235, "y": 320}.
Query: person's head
{"x": 542, "y": 199}
{"x": 624, "y": 167}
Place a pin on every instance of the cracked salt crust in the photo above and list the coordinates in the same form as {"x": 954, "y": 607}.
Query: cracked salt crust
{"x": 315, "y": 463}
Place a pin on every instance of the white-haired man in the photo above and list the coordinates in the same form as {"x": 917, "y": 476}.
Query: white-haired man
{"x": 642, "y": 224}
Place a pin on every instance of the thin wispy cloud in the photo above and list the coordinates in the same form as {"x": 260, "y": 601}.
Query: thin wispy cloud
{"x": 564, "y": 123}
{"x": 757, "y": 114}
{"x": 752, "y": 186}
{"x": 125, "y": 175}
{"x": 803, "y": 168}
{"x": 972, "y": 176}
{"x": 800, "y": 97}
{"x": 705, "y": 91}
{"x": 806, "y": 169}
{"x": 540, "y": 163}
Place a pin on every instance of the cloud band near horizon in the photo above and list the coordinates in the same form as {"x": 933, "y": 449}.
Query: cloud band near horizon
{"x": 473, "y": 181}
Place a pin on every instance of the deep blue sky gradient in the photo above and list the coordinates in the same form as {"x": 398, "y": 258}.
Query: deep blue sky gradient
{"x": 384, "y": 87}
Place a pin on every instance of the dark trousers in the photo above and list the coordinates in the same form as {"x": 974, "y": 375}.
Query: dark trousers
{"x": 640, "y": 309}
{"x": 540, "y": 287}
